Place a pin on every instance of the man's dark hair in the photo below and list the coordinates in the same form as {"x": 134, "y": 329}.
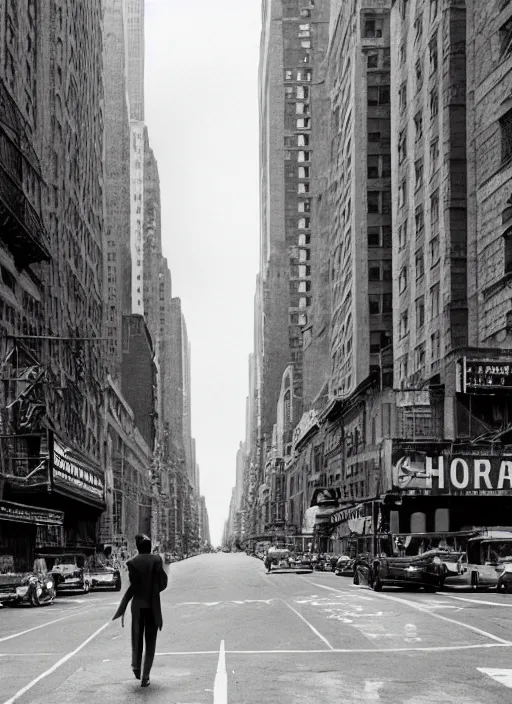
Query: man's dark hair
{"x": 143, "y": 543}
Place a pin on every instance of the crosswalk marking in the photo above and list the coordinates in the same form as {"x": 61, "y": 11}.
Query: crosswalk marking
{"x": 502, "y": 676}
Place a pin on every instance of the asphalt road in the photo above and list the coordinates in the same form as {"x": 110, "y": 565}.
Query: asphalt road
{"x": 233, "y": 633}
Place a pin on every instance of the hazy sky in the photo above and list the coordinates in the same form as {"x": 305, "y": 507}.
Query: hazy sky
{"x": 202, "y": 117}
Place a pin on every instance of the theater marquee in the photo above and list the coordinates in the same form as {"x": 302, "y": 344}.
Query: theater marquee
{"x": 463, "y": 474}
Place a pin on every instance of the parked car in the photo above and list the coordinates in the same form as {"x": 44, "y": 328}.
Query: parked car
{"x": 33, "y": 588}
{"x": 420, "y": 571}
{"x": 105, "y": 577}
{"x": 344, "y": 566}
{"x": 69, "y": 571}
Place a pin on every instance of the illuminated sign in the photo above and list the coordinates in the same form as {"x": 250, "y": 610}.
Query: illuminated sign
{"x": 484, "y": 375}
{"x": 20, "y": 513}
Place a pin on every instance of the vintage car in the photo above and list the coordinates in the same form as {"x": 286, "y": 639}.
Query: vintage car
{"x": 69, "y": 571}
{"x": 420, "y": 571}
{"x": 104, "y": 577}
{"x": 345, "y": 566}
{"x": 36, "y": 588}
{"x": 489, "y": 559}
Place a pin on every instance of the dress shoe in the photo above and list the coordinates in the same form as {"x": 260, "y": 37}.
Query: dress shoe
{"x": 136, "y": 672}
{"x": 145, "y": 682}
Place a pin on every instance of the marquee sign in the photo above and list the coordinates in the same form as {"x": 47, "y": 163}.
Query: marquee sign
{"x": 447, "y": 473}
{"x": 19, "y": 513}
{"x": 482, "y": 375}
{"x": 76, "y": 477}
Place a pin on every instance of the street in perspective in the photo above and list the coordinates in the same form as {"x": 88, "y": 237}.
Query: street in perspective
{"x": 256, "y": 351}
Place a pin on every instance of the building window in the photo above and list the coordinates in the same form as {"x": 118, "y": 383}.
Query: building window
{"x": 434, "y": 102}
{"x": 374, "y": 204}
{"x": 403, "y": 368}
{"x": 303, "y": 92}
{"x": 418, "y": 170}
{"x": 288, "y": 75}
{"x": 404, "y": 324}
{"x": 304, "y": 171}
{"x": 418, "y": 124}
{"x": 402, "y": 96}
{"x": 418, "y": 28}
{"x": 420, "y": 356}
{"x": 305, "y": 13}
{"x": 432, "y": 53}
{"x": 304, "y": 123}
{"x": 420, "y": 312}
{"x": 434, "y": 300}
{"x": 434, "y": 250}
{"x": 506, "y": 136}
{"x": 506, "y": 38}
{"x": 402, "y": 235}
{"x": 303, "y": 188}
{"x": 306, "y": 44}
{"x": 303, "y": 140}
{"x": 419, "y": 74}
{"x": 419, "y": 263}
{"x": 402, "y": 56}
{"x": 304, "y": 224}
{"x": 402, "y": 279}
{"x": 372, "y": 60}
{"x": 434, "y": 211}
{"x": 402, "y": 193}
{"x": 287, "y": 155}
{"x": 372, "y": 27}
{"x": 304, "y": 74}
{"x": 435, "y": 345}
{"x": 507, "y": 239}
{"x": 304, "y": 156}
{"x": 373, "y": 166}
{"x": 386, "y": 58}
{"x": 434, "y": 154}
{"x": 419, "y": 221}
{"x": 304, "y": 240}
{"x": 304, "y": 206}
{"x": 402, "y": 146}
{"x": 374, "y": 237}
{"x": 378, "y": 95}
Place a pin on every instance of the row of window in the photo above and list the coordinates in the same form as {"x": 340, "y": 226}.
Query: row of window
{"x": 420, "y": 311}
{"x": 419, "y": 217}
{"x": 420, "y": 355}
{"x": 304, "y": 75}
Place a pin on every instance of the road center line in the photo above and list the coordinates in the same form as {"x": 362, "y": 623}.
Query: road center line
{"x": 220, "y": 687}
{"x": 54, "y": 667}
{"x": 310, "y": 625}
{"x": 418, "y": 607}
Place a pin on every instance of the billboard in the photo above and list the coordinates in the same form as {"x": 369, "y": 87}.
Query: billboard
{"x": 448, "y": 472}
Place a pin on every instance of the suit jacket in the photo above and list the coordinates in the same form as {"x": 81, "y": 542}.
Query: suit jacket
{"x": 147, "y": 580}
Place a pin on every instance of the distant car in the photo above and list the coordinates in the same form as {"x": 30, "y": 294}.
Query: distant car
{"x": 344, "y": 566}
{"x": 226, "y": 549}
{"x": 105, "y": 577}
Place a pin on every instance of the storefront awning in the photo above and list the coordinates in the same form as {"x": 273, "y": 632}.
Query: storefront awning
{"x": 20, "y": 513}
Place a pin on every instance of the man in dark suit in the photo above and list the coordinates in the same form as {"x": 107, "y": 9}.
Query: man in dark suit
{"x": 147, "y": 580}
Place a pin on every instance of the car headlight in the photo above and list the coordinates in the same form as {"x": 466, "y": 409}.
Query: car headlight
{"x": 49, "y": 585}
{"x": 437, "y": 560}
{"x": 21, "y": 591}
{"x": 411, "y": 568}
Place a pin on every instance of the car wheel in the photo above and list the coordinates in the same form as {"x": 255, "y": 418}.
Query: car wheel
{"x": 35, "y": 594}
{"x": 430, "y": 589}
{"x": 474, "y": 581}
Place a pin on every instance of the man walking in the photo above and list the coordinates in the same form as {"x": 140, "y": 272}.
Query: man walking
{"x": 147, "y": 580}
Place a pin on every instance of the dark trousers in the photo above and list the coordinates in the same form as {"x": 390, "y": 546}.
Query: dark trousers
{"x": 144, "y": 628}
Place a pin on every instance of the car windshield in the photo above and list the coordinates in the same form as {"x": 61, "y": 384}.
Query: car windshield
{"x": 495, "y": 552}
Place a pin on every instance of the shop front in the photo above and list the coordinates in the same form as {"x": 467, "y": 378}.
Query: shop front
{"x": 72, "y": 485}
{"x": 23, "y": 530}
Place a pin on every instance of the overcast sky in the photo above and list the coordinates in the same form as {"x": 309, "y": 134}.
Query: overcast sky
{"x": 202, "y": 116}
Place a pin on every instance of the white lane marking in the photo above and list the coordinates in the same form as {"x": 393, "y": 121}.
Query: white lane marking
{"x": 310, "y": 625}
{"x": 478, "y": 601}
{"x": 347, "y": 651}
{"x": 24, "y": 655}
{"x": 416, "y": 606}
{"x": 54, "y": 667}
{"x": 504, "y": 677}
{"x": 35, "y": 628}
{"x": 220, "y": 686}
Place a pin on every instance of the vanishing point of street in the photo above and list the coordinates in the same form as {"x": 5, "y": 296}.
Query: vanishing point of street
{"x": 233, "y": 633}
